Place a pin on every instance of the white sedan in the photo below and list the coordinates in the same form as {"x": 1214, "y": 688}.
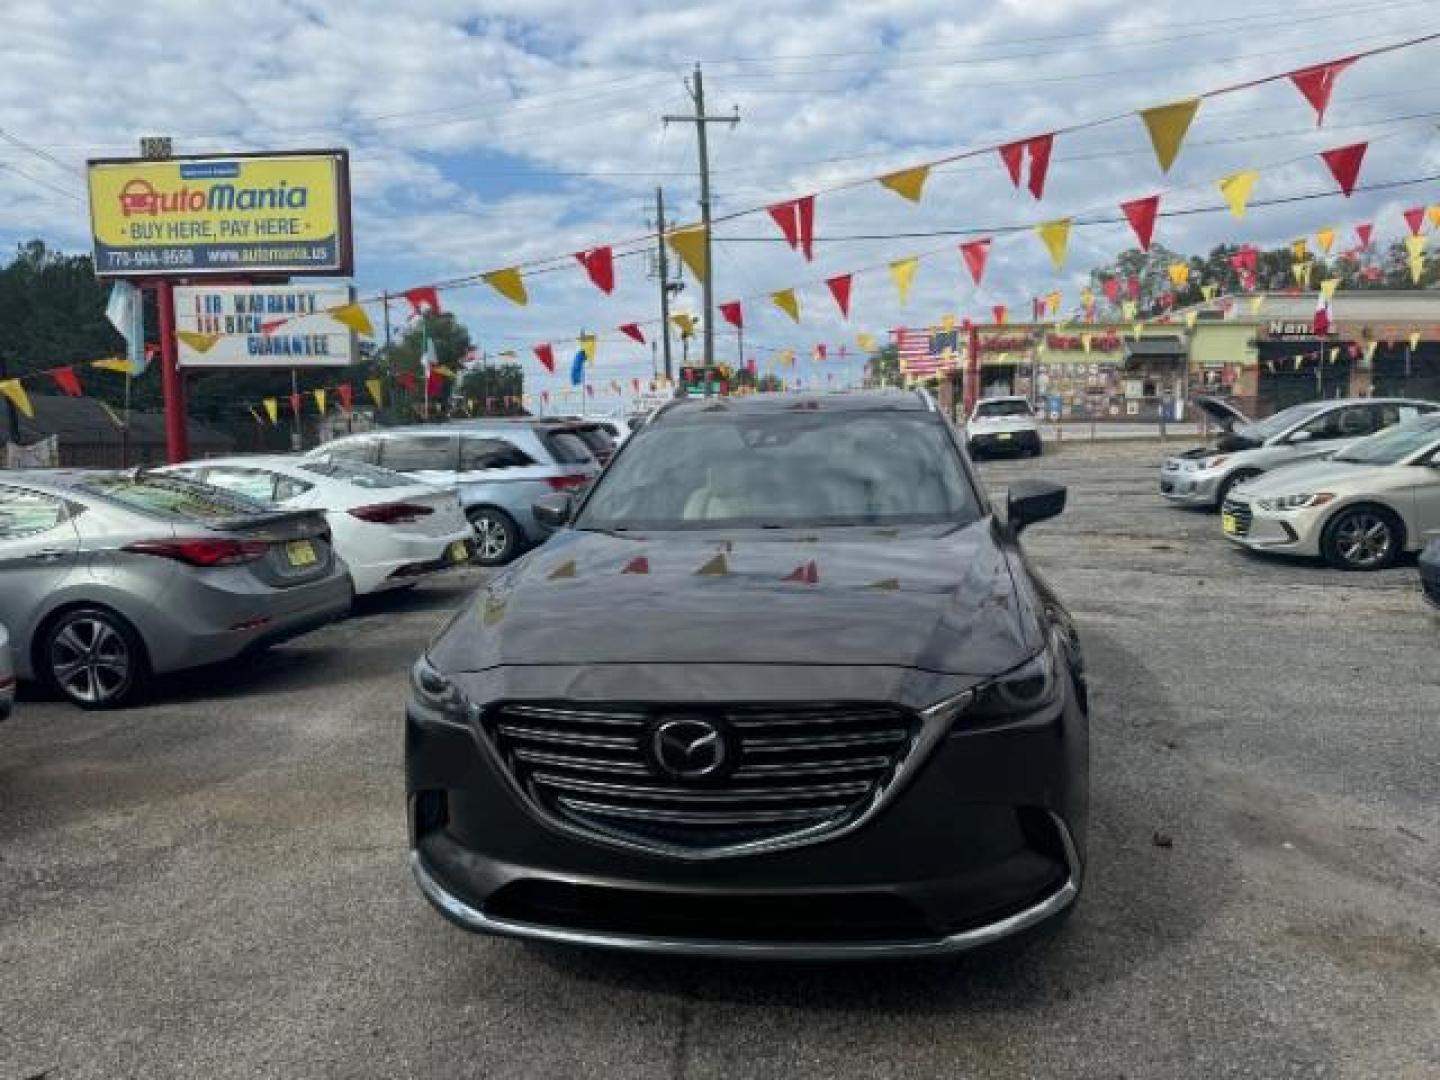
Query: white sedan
{"x": 1359, "y": 509}
{"x": 389, "y": 529}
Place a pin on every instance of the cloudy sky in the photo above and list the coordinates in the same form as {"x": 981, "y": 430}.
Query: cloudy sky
{"x": 484, "y": 134}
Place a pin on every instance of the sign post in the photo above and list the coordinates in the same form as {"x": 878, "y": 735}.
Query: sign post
{"x": 172, "y": 383}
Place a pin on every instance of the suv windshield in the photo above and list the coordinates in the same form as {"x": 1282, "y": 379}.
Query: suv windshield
{"x": 785, "y": 470}
{"x": 1008, "y": 407}
{"x": 1393, "y": 444}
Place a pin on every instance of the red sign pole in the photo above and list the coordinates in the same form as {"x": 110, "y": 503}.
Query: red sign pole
{"x": 972, "y": 371}
{"x": 177, "y": 435}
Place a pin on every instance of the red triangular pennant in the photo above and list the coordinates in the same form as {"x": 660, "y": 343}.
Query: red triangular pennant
{"x": 1040, "y": 147}
{"x": 422, "y": 300}
{"x": 67, "y": 382}
{"x": 734, "y": 314}
{"x": 546, "y": 355}
{"x": 1317, "y": 82}
{"x": 406, "y": 381}
{"x": 295, "y": 405}
{"x": 999, "y": 312}
{"x": 1011, "y": 154}
{"x": 435, "y": 383}
{"x": 1112, "y": 289}
{"x": 784, "y": 216}
{"x": 1362, "y": 233}
{"x": 1344, "y": 164}
{"x": 840, "y": 289}
{"x": 975, "y": 254}
{"x": 346, "y": 393}
{"x": 796, "y": 219}
{"x": 1141, "y": 215}
{"x": 633, "y": 331}
{"x": 599, "y": 263}
{"x": 1415, "y": 219}
{"x": 1132, "y": 287}
{"x": 805, "y": 574}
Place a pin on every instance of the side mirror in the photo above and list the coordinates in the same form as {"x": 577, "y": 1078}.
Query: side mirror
{"x": 553, "y": 510}
{"x": 1300, "y": 436}
{"x": 1030, "y": 501}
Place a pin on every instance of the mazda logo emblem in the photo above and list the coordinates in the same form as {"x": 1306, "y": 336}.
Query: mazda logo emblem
{"x": 689, "y": 748}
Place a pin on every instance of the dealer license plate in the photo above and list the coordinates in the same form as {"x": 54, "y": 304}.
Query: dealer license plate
{"x": 1228, "y": 525}
{"x": 1004, "y": 436}
{"x": 459, "y": 552}
{"x": 301, "y": 553}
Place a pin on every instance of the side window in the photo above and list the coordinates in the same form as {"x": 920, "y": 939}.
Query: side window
{"x": 362, "y": 450}
{"x": 418, "y": 453}
{"x": 491, "y": 454}
{"x": 1360, "y": 420}
{"x": 28, "y": 513}
{"x": 1329, "y": 425}
{"x": 287, "y": 487}
{"x": 252, "y": 483}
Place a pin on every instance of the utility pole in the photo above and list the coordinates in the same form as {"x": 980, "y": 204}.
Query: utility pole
{"x": 696, "y": 87}
{"x": 664, "y": 278}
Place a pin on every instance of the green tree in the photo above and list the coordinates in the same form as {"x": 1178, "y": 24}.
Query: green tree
{"x": 883, "y": 367}
{"x": 494, "y": 390}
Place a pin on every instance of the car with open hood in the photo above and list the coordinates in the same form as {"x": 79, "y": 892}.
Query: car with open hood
{"x": 845, "y": 717}
{"x": 1003, "y": 425}
{"x": 1359, "y": 509}
{"x": 1246, "y": 448}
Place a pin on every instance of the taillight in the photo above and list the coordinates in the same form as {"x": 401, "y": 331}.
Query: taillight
{"x": 203, "y": 552}
{"x": 392, "y": 513}
{"x": 567, "y": 483}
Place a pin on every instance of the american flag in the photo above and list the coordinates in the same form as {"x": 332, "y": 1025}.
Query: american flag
{"x": 924, "y": 353}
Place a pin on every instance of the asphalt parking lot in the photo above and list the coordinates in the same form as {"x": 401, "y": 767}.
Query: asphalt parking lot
{"x": 215, "y": 884}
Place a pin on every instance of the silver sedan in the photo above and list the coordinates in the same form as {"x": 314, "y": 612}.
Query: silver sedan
{"x": 108, "y": 578}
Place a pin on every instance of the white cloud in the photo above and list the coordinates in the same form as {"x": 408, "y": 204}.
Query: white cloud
{"x": 468, "y": 122}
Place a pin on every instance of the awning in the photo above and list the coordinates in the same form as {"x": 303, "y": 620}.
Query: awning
{"x": 1157, "y": 349}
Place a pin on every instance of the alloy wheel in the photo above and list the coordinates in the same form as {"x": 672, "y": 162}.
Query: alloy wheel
{"x": 1364, "y": 539}
{"x": 91, "y": 661}
{"x": 492, "y": 536}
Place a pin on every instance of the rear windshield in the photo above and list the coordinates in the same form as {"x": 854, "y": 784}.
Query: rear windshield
{"x": 173, "y": 498}
{"x": 785, "y": 470}
{"x": 1003, "y": 408}
{"x": 597, "y": 439}
{"x": 370, "y": 477}
{"x": 568, "y": 447}
{"x": 1393, "y": 445}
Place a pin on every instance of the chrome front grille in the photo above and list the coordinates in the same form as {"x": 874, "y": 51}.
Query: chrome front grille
{"x": 789, "y": 770}
{"x": 1243, "y": 515}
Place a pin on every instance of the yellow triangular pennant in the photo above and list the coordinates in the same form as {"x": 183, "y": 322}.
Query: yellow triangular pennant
{"x": 685, "y": 322}
{"x": 1328, "y": 287}
{"x": 319, "y": 400}
{"x": 373, "y": 388}
{"x": 1335, "y": 354}
{"x": 1191, "y": 317}
{"x": 1128, "y": 308}
{"x": 1433, "y": 213}
{"x": 1056, "y": 237}
{"x": 1085, "y": 342}
{"x": 716, "y": 567}
{"x": 907, "y": 182}
{"x": 1370, "y": 347}
{"x": 509, "y": 284}
{"x": 1301, "y": 270}
{"x": 201, "y": 343}
{"x": 786, "y": 302}
{"x": 1301, "y": 250}
{"x": 1256, "y": 303}
{"x": 1179, "y": 274}
{"x": 1167, "y": 125}
{"x": 689, "y": 244}
{"x": 272, "y": 409}
{"x": 353, "y": 316}
{"x": 587, "y": 346}
{"x": 1414, "y": 340}
{"x": 1415, "y": 246}
{"x": 1417, "y": 269}
{"x": 118, "y": 364}
{"x": 12, "y": 390}
{"x": 1139, "y": 330}
{"x": 865, "y": 341}
{"x": 1237, "y": 188}
{"x": 1208, "y": 291}
{"x": 1325, "y": 238}
{"x": 902, "y": 272}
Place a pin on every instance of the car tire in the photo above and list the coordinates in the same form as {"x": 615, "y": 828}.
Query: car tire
{"x": 94, "y": 658}
{"x": 497, "y": 537}
{"x": 1364, "y": 537}
{"x": 1234, "y": 480}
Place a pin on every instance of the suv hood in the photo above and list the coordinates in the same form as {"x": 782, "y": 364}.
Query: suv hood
{"x": 935, "y": 598}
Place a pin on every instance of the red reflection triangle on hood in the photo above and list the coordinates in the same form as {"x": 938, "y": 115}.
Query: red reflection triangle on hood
{"x": 806, "y": 574}
{"x": 638, "y": 565}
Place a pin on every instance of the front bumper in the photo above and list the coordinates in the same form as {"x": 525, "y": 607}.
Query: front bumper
{"x": 1004, "y": 442}
{"x": 985, "y": 842}
{"x": 1290, "y": 532}
{"x": 1191, "y": 488}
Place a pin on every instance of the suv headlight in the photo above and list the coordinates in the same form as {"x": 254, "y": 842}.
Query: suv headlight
{"x": 434, "y": 691}
{"x": 1021, "y": 692}
{"x": 1212, "y": 462}
{"x": 1305, "y": 501}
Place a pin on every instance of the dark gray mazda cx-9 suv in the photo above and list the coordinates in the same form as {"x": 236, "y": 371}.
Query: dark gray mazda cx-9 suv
{"x": 781, "y": 684}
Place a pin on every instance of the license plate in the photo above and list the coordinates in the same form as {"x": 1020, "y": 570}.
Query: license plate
{"x": 301, "y": 553}
{"x": 1004, "y": 436}
{"x": 459, "y": 552}
{"x": 1228, "y": 525}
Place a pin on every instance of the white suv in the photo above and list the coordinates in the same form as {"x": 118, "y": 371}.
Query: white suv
{"x": 1003, "y": 425}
